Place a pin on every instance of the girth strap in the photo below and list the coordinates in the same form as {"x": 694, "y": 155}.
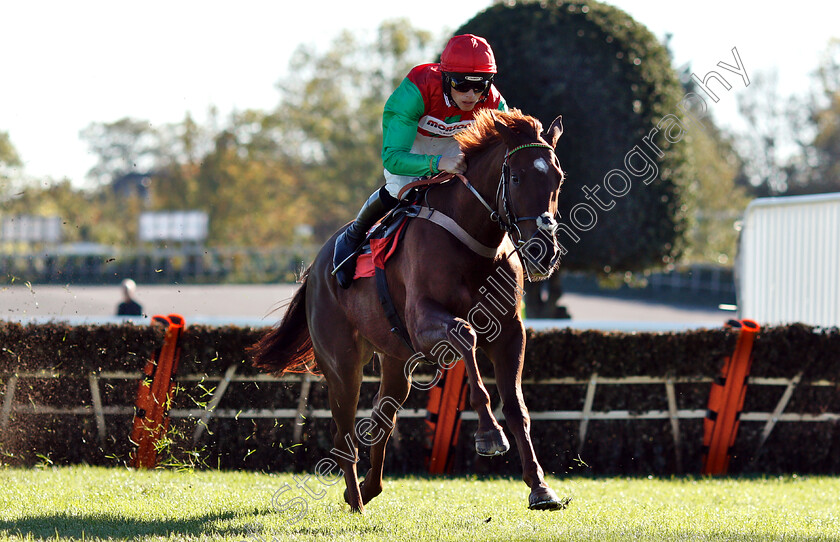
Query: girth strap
{"x": 397, "y": 326}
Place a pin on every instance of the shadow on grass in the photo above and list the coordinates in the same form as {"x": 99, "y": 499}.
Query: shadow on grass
{"x": 118, "y": 527}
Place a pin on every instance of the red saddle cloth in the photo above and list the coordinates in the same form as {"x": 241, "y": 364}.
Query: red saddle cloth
{"x": 380, "y": 251}
{"x": 383, "y": 248}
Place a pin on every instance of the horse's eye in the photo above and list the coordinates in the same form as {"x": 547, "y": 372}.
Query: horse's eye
{"x": 514, "y": 178}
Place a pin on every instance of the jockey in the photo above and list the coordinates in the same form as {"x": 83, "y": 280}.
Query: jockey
{"x": 433, "y": 103}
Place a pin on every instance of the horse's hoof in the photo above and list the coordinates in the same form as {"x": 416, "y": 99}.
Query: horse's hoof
{"x": 360, "y": 507}
{"x": 491, "y": 442}
{"x": 544, "y": 498}
{"x": 369, "y": 493}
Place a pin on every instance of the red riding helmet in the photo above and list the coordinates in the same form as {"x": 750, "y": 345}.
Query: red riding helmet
{"x": 467, "y": 54}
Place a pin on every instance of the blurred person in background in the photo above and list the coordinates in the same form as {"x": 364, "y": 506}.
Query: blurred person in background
{"x": 129, "y": 305}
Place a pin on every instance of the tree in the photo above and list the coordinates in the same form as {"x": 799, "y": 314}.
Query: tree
{"x": 9, "y": 160}
{"x": 825, "y": 116}
{"x": 612, "y": 81}
{"x": 792, "y": 144}
{"x": 248, "y": 188}
{"x": 96, "y": 215}
{"x": 717, "y": 199}
{"x": 254, "y": 198}
{"x": 8, "y": 155}
{"x": 775, "y": 141}
{"x": 311, "y": 161}
{"x": 124, "y": 146}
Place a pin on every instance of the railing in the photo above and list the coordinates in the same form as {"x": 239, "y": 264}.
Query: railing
{"x": 194, "y": 264}
{"x": 696, "y": 282}
{"x": 188, "y": 264}
{"x": 585, "y": 415}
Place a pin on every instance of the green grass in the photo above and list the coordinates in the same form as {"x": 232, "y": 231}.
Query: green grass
{"x": 84, "y": 503}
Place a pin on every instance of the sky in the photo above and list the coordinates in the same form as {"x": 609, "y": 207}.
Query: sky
{"x": 65, "y": 65}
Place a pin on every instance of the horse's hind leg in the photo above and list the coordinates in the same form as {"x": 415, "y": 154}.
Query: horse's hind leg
{"x": 344, "y": 399}
{"x": 393, "y": 390}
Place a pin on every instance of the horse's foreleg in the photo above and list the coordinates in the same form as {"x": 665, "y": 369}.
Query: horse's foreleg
{"x": 393, "y": 390}
{"x": 445, "y": 338}
{"x": 490, "y": 440}
{"x": 507, "y": 357}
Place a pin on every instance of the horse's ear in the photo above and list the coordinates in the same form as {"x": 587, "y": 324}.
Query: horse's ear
{"x": 504, "y": 132}
{"x": 554, "y": 131}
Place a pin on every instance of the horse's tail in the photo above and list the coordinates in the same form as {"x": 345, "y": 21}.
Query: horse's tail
{"x": 287, "y": 348}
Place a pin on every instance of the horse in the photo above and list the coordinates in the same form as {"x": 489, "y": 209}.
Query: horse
{"x": 455, "y": 288}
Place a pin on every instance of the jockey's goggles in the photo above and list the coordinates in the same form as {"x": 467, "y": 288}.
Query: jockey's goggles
{"x": 466, "y": 82}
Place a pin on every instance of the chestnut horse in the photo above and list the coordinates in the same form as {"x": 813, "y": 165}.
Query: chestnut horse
{"x": 455, "y": 288}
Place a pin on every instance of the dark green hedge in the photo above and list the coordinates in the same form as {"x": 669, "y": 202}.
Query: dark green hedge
{"x": 637, "y": 447}
{"x": 612, "y": 81}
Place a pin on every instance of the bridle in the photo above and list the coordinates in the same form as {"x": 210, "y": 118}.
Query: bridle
{"x": 507, "y": 219}
{"x": 511, "y": 220}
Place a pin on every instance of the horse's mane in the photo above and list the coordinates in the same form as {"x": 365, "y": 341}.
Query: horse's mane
{"x": 482, "y": 133}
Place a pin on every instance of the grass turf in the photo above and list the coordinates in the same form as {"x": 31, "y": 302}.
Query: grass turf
{"x": 86, "y": 503}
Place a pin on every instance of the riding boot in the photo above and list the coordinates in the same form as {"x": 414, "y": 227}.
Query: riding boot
{"x": 347, "y": 243}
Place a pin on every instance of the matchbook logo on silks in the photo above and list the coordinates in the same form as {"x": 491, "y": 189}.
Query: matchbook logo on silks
{"x": 439, "y": 127}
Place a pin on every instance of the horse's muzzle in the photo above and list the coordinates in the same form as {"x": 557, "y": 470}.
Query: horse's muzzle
{"x": 541, "y": 253}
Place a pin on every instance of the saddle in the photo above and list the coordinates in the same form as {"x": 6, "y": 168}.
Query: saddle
{"x": 382, "y": 239}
